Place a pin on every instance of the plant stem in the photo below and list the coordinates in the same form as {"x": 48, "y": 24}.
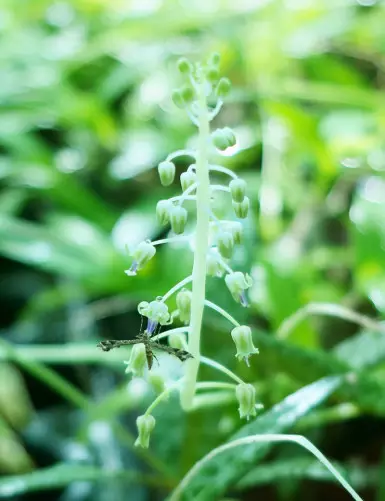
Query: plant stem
{"x": 201, "y": 248}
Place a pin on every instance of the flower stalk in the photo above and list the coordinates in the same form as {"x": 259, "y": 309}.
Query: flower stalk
{"x": 201, "y": 249}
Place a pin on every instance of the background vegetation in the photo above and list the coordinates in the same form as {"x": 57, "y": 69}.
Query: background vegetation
{"x": 85, "y": 118}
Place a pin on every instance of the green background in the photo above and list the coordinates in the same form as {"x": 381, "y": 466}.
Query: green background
{"x": 85, "y": 119}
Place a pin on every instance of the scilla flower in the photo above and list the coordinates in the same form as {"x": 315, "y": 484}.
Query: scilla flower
{"x": 246, "y": 396}
{"x": 237, "y": 283}
{"x": 210, "y": 239}
{"x": 156, "y": 312}
{"x": 243, "y": 342}
{"x": 145, "y": 425}
{"x": 137, "y": 361}
{"x": 142, "y": 254}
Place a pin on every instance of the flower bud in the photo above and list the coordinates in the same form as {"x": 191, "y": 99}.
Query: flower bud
{"x": 183, "y": 303}
{"x": 177, "y": 98}
{"x": 162, "y": 211}
{"x": 237, "y": 232}
{"x": 156, "y": 380}
{"x": 223, "y": 88}
{"x": 237, "y": 282}
{"x": 244, "y": 343}
{"x": 141, "y": 255}
{"x": 223, "y": 138}
{"x": 237, "y": 189}
{"x": 187, "y": 93}
{"x": 214, "y": 267}
{"x": 156, "y": 312}
{"x": 138, "y": 360}
{"x": 212, "y": 74}
{"x": 184, "y": 66}
{"x": 187, "y": 179}
{"x": 177, "y": 340}
{"x": 178, "y": 219}
{"x": 214, "y": 59}
{"x": 246, "y": 396}
{"x": 166, "y": 173}
{"x": 241, "y": 209}
{"x": 225, "y": 243}
{"x": 145, "y": 425}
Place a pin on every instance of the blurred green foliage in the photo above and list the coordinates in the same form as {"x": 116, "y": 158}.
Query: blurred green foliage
{"x": 86, "y": 116}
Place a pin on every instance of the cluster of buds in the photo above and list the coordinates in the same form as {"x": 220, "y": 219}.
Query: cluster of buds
{"x": 202, "y": 85}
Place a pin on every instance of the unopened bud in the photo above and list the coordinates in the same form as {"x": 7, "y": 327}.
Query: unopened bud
{"x": 156, "y": 380}
{"x": 187, "y": 179}
{"x": 178, "y": 219}
{"x": 184, "y": 66}
{"x": 166, "y": 173}
{"x": 177, "y": 340}
{"x": 212, "y": 74}
{"x": 237, "y": 189}
{"x": 162, "y": 211}
{"x": 223, "y": 88}
{"x": 214, "y": 267}
{"x": 187, "y": 93}
{"x": 237, "y": 232}
{"x": 145, "y": 425}
{"x": 141, "y": 255}
{"x": 237, "y": 283}
{"x": 138, "y": 360}
{"x": 223, "y": 138}
{"x": 241, "y": 209}
{"x": 225, "y": 243}
{"x": 246, "y": 396}
{"x": 243, "y": 342}
{"x": 177, "y": 98}
{"x": 183, "y": 302}
{"x": 214, "y": 59}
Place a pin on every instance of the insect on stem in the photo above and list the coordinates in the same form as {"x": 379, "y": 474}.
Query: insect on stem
{"x": 149, "y": 345}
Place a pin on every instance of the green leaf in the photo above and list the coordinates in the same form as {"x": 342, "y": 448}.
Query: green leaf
{"x": 224, "y": 470}
{"x": 363, "y": 350}
{"x": 307, "y": 468}
{"x": 62, "y": 475}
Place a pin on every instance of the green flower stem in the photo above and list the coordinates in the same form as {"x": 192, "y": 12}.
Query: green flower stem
{"x": 216, "y": 110}
{"x": 201, "y": 249}
{"x": 170, "y": 240}
{"x": 204, "y": 385}
{"x": 162, "y": 396}
{"x": 223, "y": 170}
{"x": 225, "y": 265}
{"x": 222, "y": 312}
{"x": 180, "y": 153}
{"x": 176, "y": 287}
{"x": 221, "y": 368}
{"x": 215, "y": 385}
{"x": 220, "y": 187}
{"x": 162, "y": 335}
{"x": 185, "y": 194}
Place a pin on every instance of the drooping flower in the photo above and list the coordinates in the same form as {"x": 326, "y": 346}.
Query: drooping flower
{"x": 243, "y": 342}
{"x": 141, "y": 255}
{"x": 237, "y": 283}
